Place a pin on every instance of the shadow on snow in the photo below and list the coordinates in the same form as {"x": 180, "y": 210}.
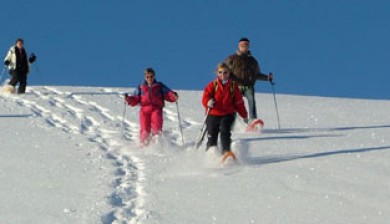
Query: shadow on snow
{"x": 289, "y": 137}
{"x": 279, "y": 159}
{"x": 301, "y": 130}
{"x": 286, "y": 158}
{"x": 16, "y": 115}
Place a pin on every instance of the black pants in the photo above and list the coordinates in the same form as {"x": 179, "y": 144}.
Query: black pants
{"x": 19, "y": 77}
{"x": 219, "y": 124}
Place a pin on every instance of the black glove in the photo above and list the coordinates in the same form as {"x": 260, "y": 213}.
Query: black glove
{"x": 32, "y": 58}
{"x": 176, "y": 95}
{"x": 7, "y": 62}
{"x": 270, "y": 77}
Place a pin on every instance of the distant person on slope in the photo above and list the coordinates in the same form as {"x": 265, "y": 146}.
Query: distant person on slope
{"x": 222, "y": 99}
{"x": 245, "y": 70}
{"x": 19, "y": 66}
{"x": 150, "y": 95}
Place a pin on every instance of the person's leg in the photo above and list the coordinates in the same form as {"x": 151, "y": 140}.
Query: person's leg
{"x": 250, "y": 95}
{"x": 157, "y": 121}
{"x": 145, "y": 127}
{"x": 226, "y": 131}
{"x": 14, "y": 78}
{"x": 22, "y": 83}
{"x": 212, "y": 123}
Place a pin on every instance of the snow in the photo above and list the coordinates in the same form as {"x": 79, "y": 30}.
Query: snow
{"x": 65, "y": 159}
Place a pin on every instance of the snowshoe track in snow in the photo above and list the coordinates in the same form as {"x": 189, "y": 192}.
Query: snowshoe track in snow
{"x": 73, "y": 114}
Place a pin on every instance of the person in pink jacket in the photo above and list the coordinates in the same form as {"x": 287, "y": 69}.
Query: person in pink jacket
{"x": 150, "y": 95}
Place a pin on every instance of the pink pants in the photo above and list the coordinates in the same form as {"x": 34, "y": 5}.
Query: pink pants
{"x": 151, "y": 122}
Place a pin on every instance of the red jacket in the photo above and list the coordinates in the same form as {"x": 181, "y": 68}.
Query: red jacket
{"x": 151, "y": 97}
{"x": 224, "y": 102}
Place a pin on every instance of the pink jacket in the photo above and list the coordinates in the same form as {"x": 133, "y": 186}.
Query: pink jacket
{"x": 151, "y": 97}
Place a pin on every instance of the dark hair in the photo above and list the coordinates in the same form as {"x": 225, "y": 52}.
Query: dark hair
{"x": 150, "y": 70}
{"x": 243, "y": 39}
{"x": 19, "y": 40}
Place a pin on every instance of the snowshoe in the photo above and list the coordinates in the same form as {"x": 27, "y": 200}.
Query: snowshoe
{"x": 229, "y": 155}
{"x": 9, "y": 89}
{"x": 256, "y": 126}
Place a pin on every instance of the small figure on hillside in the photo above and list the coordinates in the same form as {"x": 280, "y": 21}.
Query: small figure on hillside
{"x": 150, "y": 95}
{"x": 222, "y": 99}
{"x": 245, "y": 70}
{"x": 19, "y": 66}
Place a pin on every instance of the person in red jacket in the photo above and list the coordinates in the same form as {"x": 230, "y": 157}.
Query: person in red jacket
{"x": 222, "y": 99}
{"x": 150, "y": 95}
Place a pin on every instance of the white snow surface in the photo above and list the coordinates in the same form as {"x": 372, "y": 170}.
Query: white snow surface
{"x": 65, "y": 159}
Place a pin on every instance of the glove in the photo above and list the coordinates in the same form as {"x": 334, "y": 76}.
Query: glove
{"x": 270, "y": 77}
{"x": 7, "y": 62}
{"x": 246, "y": 120}
{"x": 32, "y": 58}
{"x": 176, "y": 95}
{"x": 210, "y": 103}
{"x": 126, "y": 98}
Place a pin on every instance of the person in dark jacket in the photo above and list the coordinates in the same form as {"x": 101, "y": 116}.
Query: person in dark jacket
{"x": 245, "y": 70}
{"x": 18, "y": 65}
{"x": 222, "y": 99}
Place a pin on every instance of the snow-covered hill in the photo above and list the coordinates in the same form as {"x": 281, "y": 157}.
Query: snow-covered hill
{"x": 64, "y": 159}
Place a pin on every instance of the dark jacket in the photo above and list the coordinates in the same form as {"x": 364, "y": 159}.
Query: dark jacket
{"x": 245, "y": 69}
{"x": 18, "y": 60}
{"x": 21, "y": 61}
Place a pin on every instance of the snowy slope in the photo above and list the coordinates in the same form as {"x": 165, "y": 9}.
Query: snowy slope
{"x": 64, "y": 159}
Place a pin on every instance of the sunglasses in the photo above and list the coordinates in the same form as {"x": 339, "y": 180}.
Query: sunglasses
{"x": 149, "y": 76}
{"x": 223, "y": 72}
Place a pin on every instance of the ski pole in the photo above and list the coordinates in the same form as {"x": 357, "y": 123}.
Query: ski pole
{"x": 203, "y": 130}
{"x": 275, "y": 102}
{"x": 123, "y": 119}
{"x": 180, "y": 126}
{"x": 2, "y": 74}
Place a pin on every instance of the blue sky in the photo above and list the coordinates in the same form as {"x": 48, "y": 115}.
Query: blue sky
{"x": 323, "y": 48}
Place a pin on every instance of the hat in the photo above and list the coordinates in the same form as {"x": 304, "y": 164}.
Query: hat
{"x": 243, "y": 39}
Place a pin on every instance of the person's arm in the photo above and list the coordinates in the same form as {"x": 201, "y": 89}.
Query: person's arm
{"x": 208, "y": 95}
{"x": 7, "y": 59}
{"x": 168, "y": 94}
{"x": 134, "y": 99}
{"x": 264, "y": 77}
{"x": 261, "y": 76}
{"x": 239, "y": 103}
{"x": 232, "y": 76}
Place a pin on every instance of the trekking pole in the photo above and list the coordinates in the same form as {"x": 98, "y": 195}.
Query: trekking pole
{"x": 275, "y": 102}
{"x": 2, "y": 74}
{"x": 123, "y": 119}
{"x": 180, "y": 126}
{"x": 203, "y": 131}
